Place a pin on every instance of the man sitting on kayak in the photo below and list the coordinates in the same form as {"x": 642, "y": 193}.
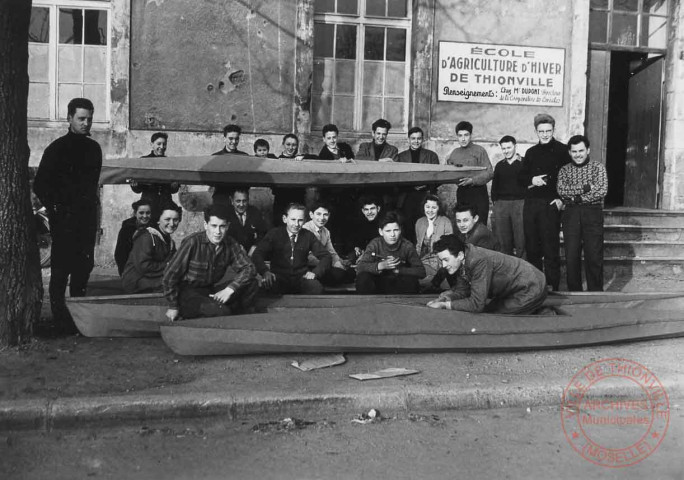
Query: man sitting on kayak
{"x": 513, "y": 285}
{"x": 193, "y": 278}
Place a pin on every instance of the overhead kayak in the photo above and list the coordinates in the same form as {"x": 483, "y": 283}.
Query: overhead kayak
{"x": 266, "y": 172}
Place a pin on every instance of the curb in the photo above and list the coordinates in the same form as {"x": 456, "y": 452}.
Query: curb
{"x": 42, "y": 414}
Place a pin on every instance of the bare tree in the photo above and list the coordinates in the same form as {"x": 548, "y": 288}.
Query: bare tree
{"x": 21, "y": 288}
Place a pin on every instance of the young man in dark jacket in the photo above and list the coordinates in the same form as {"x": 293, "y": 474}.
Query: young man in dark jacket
{"x": 67, "y": 185}
{"x": 515, "y": 286}
{"x": 541, "y": 212}
{"x": 288, "y": 248}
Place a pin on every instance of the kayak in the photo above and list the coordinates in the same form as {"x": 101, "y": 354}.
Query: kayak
{"x": 142, "y": 315}
{"x": 394, "y": 327}
{"x": 266, "y": 172}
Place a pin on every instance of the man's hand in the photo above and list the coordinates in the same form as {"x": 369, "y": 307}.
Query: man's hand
{"x": 223, "y": 296}
{"x": 439, "y": 304}
{"x": 539, "y": 180}
{"x": 251, "y": 251}
{"x": 133, "y": 183}
{"x": 172, "y": 314}
{"x": 310, "y": 276}
{"x": 386, "y": 159}
{"x": 465, "y": 182}
{"x": 586, "y": 188}
{"x": 557, "y": 202}
{"x": 269, "y": 279}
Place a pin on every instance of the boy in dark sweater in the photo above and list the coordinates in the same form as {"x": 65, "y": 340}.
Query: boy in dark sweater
{"x": 390, "y": 263}
{"x": 541, "y": 212}
{"x": 288, "y": 248}
{"x": 508, "y": 197}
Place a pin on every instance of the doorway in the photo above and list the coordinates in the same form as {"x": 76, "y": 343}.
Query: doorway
{"x": 623, "y": 122}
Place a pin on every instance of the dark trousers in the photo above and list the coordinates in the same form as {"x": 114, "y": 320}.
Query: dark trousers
{"x": 296, "y": 284}
{"x": 541, "y": 223}
{"x": 195, "y": 302}
{"x": 508, "y": 226}
{"x": 72, "y": 258}
{"x": 476, "y": 196}
{"x": 583, "y": 230}
{"x": 338, "y": 276}
{"x": 386, "y": 283}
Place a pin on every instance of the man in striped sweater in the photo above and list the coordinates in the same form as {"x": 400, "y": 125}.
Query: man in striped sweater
{"x": 582, "y": 185}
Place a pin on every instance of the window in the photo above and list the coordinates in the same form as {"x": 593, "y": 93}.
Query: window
{"x": 361, "y": 66}
{"x": 629, "y": 23}
{"x": 68, "y": 57}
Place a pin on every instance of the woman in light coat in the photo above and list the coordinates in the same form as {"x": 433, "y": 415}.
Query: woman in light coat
{"x": 429, "y": 229}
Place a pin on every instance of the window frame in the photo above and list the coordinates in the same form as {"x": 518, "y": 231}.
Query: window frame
{"x": 53, "y": 6}
{"x": 639, "y": 14}
{"x": 361, "y": 21}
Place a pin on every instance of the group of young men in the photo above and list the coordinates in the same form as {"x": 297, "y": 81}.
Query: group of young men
{"x": 214, "y": 271}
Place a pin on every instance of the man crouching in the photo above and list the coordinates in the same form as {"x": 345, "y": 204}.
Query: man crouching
{"x": 192, "y": 279}
{"x": 514, "y": 286}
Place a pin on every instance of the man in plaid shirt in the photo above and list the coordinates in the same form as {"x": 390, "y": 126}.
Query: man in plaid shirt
{"x": 193, "y": 278}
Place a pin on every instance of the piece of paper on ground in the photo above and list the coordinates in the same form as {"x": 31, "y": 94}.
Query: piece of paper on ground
{"x": 386, "y": 373}
{"x": 320, "y": 361}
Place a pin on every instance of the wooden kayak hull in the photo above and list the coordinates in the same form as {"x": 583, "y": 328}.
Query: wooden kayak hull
{"x": 260, "y": 172}
{"x": 142, "y": 315}
{"x": 390, "y": 327}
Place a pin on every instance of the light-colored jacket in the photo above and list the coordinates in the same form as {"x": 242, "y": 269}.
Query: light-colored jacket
{"x": 443, "y": 226}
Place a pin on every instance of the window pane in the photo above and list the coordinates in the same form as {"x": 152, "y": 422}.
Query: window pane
{"x": 95, "y": 32}
{"x": 626, "y": 5}
{"x": 64, "y": 94}
{"x": 394, "y": 112}
{"x": 372, "y": 110}
{"x": 95, "y": 68}
{"x": 375, "y": 8}
{"x": 321, "y": 107}
{"x": 39, "y": 100}
{"x": 396, "y": 44}
{"x": 624, "y": 29}
{"x": 323, "y": 76}
{"x": 344, "y": 112}
{"x": 601, "y": 4}
{"x": 345, "y": 46}
{"x": 323, "y": 6}
{"x": 97, "y": 94}
{"x": 70, "y": 26}
{"x": 345, "y": 76}
{"x": 375, "y": 43}
{"x": 654, "y": 32}
{"x": 394, "y": 79}
{"x": 69, "y": 63}
{"x": 397, "y": 8}
{"x": 598, "y": 27}
{"x": 372, "y": 78}
{"x": 39, "y": 27}
{"x": 347, "y": 6}
{"x": 658, "y": 7}
{"x": 39, "y": 62}
{"x": 323, "y": 40}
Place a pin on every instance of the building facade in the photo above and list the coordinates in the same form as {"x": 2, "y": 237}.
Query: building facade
{"x": 609, "y": 68}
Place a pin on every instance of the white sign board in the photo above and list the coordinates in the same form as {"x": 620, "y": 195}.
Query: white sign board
{"x": 509, "y": 74}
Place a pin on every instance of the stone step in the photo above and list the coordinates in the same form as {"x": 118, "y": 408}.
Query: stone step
{"x": 645, "y": 250}
{"x": 643, "y": 217}
{"x": 636, "y": 233}
{"x": 619, "y": 272}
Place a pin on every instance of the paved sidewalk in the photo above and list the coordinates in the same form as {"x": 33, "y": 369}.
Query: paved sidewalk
{"x": 76, "y": 381}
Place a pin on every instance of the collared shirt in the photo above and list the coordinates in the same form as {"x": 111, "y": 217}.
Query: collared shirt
{"x": 200, "y": 263}
{"x": 323, "y": 236}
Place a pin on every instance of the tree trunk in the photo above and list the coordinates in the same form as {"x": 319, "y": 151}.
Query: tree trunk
{"x": 21, "y": 288}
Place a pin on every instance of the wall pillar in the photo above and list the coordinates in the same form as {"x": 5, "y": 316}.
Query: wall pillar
{"x": 672, "y": 151}
{"x": 303, "y": 66}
